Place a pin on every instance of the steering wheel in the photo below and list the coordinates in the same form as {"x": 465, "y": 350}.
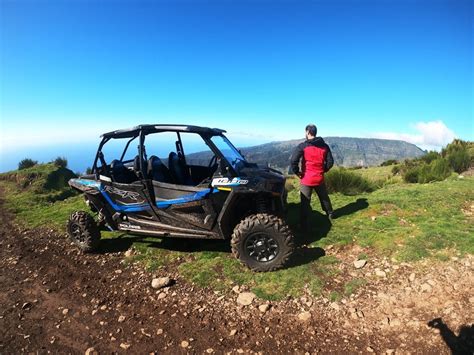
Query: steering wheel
{"x": 212, "y": 162}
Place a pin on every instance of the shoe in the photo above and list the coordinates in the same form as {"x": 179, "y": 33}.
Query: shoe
{"x": 331, "y": 216}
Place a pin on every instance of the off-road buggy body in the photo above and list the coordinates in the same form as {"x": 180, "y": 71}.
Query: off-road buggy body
{"x": 225, "y": 198}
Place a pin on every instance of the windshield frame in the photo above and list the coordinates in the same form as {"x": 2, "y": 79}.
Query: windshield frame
{"x": 238, "y": 154}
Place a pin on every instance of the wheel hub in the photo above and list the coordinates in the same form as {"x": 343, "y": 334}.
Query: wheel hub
{"x": 262, "y": 247}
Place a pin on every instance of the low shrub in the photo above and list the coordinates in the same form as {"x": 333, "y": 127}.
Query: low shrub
{"x": 396, "y": 170}
{"x": 26, "y": 163}
{"x": 460, "y": 155}
{"x": 459, "y": 161}
{"x": 429, "y": 157}
{"x": 347, "y": 182}
{"x": 437, "y": 170}
{"x": 389, "y": 162}
{"x": 60, "y": 162}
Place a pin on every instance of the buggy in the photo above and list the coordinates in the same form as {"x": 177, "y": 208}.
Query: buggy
{"x": 162, "y": 192}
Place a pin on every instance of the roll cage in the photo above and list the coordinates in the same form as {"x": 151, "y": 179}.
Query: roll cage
{"x": 142, "y": 131}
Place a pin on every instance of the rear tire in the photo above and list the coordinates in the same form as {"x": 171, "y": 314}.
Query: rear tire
{"x": 83, "y": 231}
{"x": 263, "y": 242}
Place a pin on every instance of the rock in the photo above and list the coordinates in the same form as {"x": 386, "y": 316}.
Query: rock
{"x": 129, "y": 253}
{"x": 65, "y": 311}
{"x": 395, "y": 323}
{"x": 160, "y": 282}
{"x": 91, "y": 351}
{"x": 389, "y": 351}
{"x": 264, "y": 307}
{"x": 142, "y": 330}
{"x": 431, "y": 282}
{"x": 26, "y": 306}
{"x": 103, "y": 308}
{"x": 411, "y": 277}
{"x": 121, "y": 319}
{"x": 373, "y": 218}
{"x": 471, "y": 299}
{"x": 335, "y": 306}
{"x": 426, "y": 287}
{"x": 161, "y": 295}
{"x": 125, "y": 346}
{"x": 359, "y": 264}
{"x": 184, "y": 344}
{"x": 233, "y": 332}
{"x": 370, "y": 350}
{"x": 236, "y": 288}
{"x": 380, "y": 273}
{"x": 159, "y": 331}
{"x": 304, "y": 316}
{"x": 210, "y": 350}
{"x": 245, "y": 298}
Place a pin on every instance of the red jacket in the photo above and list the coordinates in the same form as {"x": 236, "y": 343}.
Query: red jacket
{"x": 317, "y": 159}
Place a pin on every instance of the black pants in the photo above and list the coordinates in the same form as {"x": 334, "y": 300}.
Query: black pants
{"x": 305, "y": 193}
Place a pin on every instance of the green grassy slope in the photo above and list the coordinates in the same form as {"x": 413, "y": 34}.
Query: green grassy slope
{"x": 407, "y": 222}
{"x": 40, "y": 195}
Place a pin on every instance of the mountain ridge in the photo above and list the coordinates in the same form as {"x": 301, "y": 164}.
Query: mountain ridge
{"x": 347, "y": 152}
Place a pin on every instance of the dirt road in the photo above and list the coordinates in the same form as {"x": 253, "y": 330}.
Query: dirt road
{"x": 54, "y": 299}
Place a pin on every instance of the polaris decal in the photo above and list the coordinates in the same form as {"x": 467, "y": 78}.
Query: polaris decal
{"x": 229, "y": 182}
{"x": 124, "y": 194}
{"x": 129, "y": 226}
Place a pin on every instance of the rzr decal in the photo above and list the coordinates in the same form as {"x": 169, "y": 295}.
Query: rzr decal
{"x": 229, "y": 182}
{"x": 134, "y": 196}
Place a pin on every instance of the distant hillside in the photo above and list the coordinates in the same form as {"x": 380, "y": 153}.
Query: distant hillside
{"x": 347, "y": 152}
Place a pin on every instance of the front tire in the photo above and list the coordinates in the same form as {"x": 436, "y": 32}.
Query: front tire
{"x": 263, "y": 242}
{"x": 83, "y": 231}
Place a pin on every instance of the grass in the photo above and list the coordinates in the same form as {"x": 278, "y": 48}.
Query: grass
{"x": 353, "y": 285}
{"x": 376, "y": 173}
{"x": 38, "y": 195}
{"x": 408, "y": 222}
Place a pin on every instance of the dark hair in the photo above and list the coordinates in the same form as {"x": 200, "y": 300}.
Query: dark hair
{"x": 311, "y": 129}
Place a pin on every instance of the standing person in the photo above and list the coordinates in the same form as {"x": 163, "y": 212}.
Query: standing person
{"x": 316, "y": 160}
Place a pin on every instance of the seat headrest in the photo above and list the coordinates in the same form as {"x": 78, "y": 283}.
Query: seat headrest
{"x": 154, "y": 162}
{"x": 116, "y": 164}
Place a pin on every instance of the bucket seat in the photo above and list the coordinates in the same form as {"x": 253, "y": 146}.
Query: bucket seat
{"x": 178, "y": 169}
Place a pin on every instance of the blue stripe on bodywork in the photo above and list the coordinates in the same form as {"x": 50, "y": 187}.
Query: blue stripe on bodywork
{"x": 141, "y": 207}
{"x": 186, "y": 198}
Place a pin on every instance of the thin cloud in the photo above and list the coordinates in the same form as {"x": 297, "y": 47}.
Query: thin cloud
{"x": 37, "y": 137}
{"x": 432, "y": 135}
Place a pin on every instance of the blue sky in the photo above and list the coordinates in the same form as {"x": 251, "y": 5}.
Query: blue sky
{"x": 71, "y": 70}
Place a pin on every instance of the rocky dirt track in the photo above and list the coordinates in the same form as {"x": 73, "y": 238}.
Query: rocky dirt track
{"x": 54, "y": 299}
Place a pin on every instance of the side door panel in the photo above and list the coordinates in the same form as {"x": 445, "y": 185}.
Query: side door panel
{"x": 187, "y": 205}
